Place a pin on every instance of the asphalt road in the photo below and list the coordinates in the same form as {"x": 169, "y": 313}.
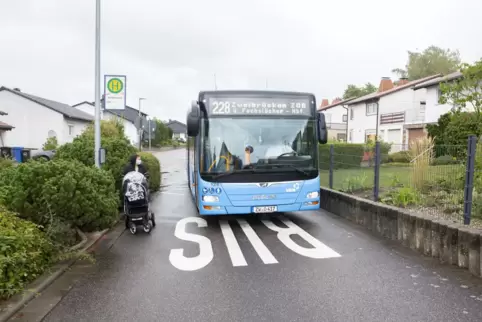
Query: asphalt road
{"x": 242, "y": 269}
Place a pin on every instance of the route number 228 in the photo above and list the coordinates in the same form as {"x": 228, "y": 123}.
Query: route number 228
{"x": 221, "y": 107}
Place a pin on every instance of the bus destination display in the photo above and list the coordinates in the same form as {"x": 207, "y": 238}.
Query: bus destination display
{"x": 259, "y": 106}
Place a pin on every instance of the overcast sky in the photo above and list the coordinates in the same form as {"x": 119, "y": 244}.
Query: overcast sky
{"x": 170, "y": 50}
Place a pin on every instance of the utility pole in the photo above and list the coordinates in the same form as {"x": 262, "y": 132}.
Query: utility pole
{"x": 140, "y": 123}
{"x": 97, "y": 85}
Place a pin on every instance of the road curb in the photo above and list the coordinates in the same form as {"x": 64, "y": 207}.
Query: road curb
{"x": 44, "y": 281}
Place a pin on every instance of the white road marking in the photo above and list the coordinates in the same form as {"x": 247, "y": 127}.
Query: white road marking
{"x": 177, "y": 258}
{"x": 237, "y": 257}
{"x": 206, "y": 255}
{"x": 259, "y": 246}
{"x": 320, "y": 250}
{"x": 172, "y": 193}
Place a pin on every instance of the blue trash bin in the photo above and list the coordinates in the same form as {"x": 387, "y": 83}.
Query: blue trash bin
{"x": 17, "y": 153}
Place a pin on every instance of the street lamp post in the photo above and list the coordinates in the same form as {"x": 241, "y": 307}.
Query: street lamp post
{"x": 97, "y": 85}
{"x": 140, "y": 123}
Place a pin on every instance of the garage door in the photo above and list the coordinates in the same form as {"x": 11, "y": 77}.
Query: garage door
{"x": 395, "y": 137}
{"x": 414, "y": 134}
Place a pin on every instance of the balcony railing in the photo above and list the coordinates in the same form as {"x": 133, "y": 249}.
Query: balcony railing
{"x": 392, "y": 118}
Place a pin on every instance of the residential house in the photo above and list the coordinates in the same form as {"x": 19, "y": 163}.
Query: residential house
{"x": 33, "y": 119}
{"x": 336, "y": 116}
{"x": 179, "y": 130}
{"x": 383, "y": 114}
{"x": 129, "y": 117}
{"x": 433, "y": 109}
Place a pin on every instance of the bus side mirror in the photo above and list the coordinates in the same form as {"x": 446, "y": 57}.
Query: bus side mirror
{"x": 322, "y": 131}
{"x": 193, "y": 120}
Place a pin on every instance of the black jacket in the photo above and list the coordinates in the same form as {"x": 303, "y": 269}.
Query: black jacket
{"x": 131, "y": 166}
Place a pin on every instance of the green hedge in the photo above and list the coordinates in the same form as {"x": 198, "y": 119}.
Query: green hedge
{"x": 400, "y": 157}
{"x": 346, "y": 155}
{"x": 154, "y": 168}
{"x": 59, "y": 190}
{"x": 25, "y": 253}
{"x": 5, "y": 163}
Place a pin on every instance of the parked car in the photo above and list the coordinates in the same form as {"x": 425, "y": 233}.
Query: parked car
{"x": 47, "y": 155}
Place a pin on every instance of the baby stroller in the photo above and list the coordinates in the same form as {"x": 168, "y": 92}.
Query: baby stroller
{"x": 136, "y": 203}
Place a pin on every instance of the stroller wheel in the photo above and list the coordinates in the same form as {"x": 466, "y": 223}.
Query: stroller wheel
{"x": 153, "y": 219}
{"x": 148, "y": 227}
{"x": 132, "y": 228}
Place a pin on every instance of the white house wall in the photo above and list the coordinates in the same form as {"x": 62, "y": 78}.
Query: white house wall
{"x": 401, "y": 101}
{"x": 77, "y": 128}
{"x": 360, "y": 123}
{"x": 32, "y": 122}
{"x": 335, "y": 114}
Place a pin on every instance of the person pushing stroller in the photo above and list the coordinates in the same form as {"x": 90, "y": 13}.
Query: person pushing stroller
{"x": 136, "y": 196}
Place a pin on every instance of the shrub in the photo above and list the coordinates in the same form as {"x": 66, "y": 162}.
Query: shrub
{"x": 113, "y": 140}
{"x": 25, "y": 253}
{"x": 154, "y": 168}
{"x": 445, "y": 160}
{"x": 403, "y": 197}
{"x": 50, "y": 144}
{"x": 346, "y": 155}
{"x": 399, "y": 157}
{"x": 5, "y": 163}
{"x": 59, "y": 192}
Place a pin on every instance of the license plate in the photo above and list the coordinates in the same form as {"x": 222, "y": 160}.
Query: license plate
{"x": 265, "y": 209}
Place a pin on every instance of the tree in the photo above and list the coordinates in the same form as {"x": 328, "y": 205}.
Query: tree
{"x": 162, "y": 134}
{"x": 353, "y": 91}
{"x": 465, "y": 91}
{"x": 433, "y": 60}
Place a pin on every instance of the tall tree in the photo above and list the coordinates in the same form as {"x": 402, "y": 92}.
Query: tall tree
{"x": 433, "y": 60}
{"x": 353, "y": 91}
{"x": 465, "y": 92}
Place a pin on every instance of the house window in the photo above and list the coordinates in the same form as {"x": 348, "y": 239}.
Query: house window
{"x": 71, "y": 129}
{"x": 341, "y": 137}
{"x": 351, "y": 113}
{"x": 372, "y": 108}
{"x": 439, "y": 95}
{"x": 345, "y": 118}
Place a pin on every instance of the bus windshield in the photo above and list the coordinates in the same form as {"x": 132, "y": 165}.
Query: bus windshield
{"x": 224, "y": 139}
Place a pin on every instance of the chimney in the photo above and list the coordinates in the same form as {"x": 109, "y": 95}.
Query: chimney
{"x": 324, "y": 103}
{"x": 17, "y": 89}
{"x": 385, "y": 84}
{"x": 402, "y": 81}
{"x": 336, "y": 100}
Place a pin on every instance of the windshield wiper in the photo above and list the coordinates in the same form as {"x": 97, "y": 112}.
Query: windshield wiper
{"x": 283, "y": 165}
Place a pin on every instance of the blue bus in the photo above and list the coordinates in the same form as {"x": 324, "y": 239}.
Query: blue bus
{"x": 254, "y": 152}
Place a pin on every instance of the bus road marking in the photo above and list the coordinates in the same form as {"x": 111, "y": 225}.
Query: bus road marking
{"x": 234, "y": 251}
{"x": 206, "y": 255}
{"x": 258, "y": 245}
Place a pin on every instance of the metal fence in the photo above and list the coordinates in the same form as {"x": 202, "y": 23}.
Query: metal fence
{"x": 441, "y": 181}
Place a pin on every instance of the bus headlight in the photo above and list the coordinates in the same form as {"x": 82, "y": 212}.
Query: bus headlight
{"x": 312, "y": 195}
{"x": 210, "y": 198}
